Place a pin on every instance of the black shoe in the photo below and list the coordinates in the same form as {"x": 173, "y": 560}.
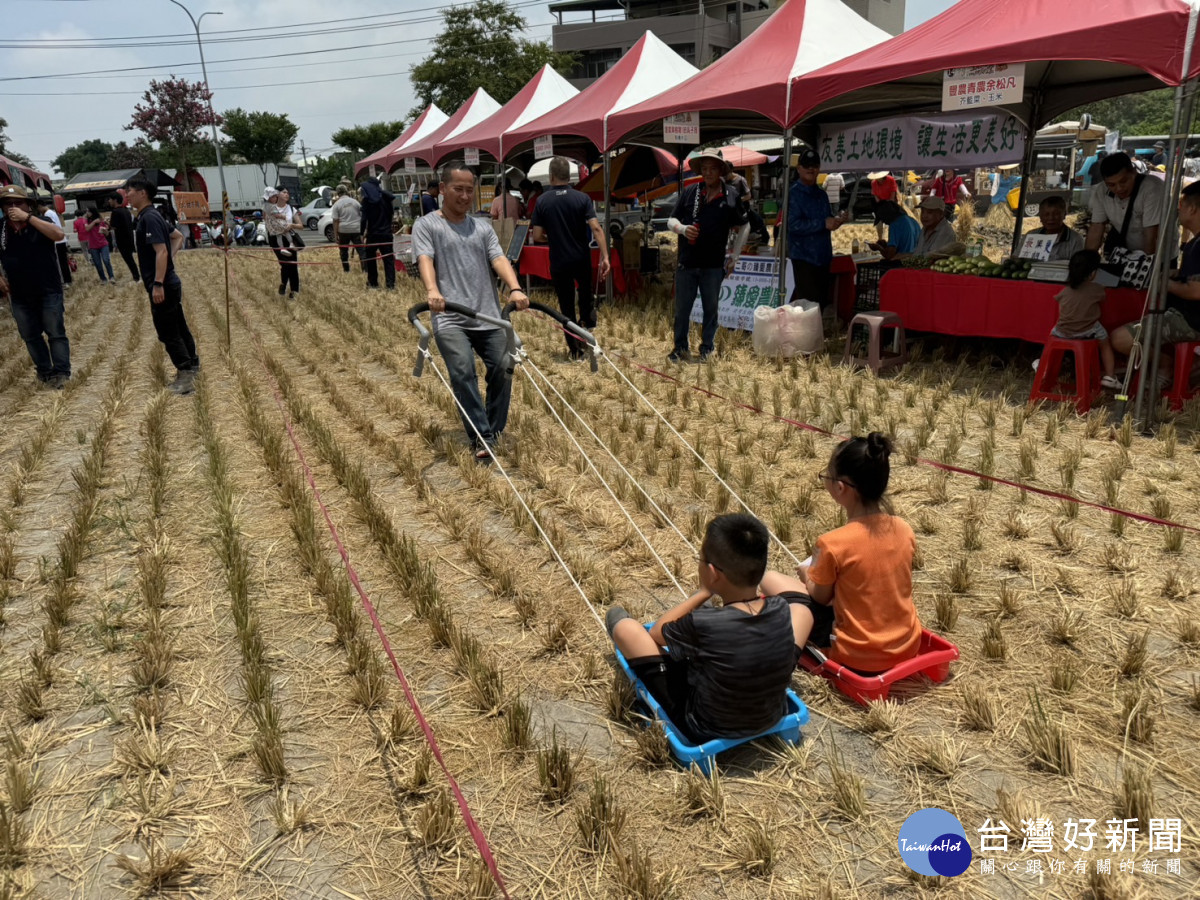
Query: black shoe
{"x": 282, "y": 289}
{"x": 679, "y": 356}
{"x": 706, "y": 355}
{"x": 59, "y": 381}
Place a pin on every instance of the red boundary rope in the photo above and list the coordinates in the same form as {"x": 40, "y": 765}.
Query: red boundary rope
{"x": 477, "y": 835}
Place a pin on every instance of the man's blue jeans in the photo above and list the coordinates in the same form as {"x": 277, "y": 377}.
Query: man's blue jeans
{"x": 44, "y": 316}
{"x": 458, "y": 347}
{"x": 708, "y": 283}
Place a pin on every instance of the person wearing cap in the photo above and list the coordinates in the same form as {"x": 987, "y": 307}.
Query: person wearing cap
{"x": 157, "y": 245}
{"x": 937, "y": 234}
{"x": 1160, "y": 154}
{"x": 1129, "y": 205}
{"x": 283, "y": 221}
{"x": 346, "y": 213}
{"x": 566, "y": 219}
{"x": 704, "y": 217}
{"x": 883, "y": 190}
{"x": 378, "y": 210}
{"x": 1053, "y": 213}
{"x": 951, "y": 188}
{"x": 811, "y": 223}
{"x": 32, "y": 282}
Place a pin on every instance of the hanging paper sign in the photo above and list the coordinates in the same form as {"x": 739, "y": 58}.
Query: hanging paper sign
{"x": 754, "y": 283}
{"x": 960, "y": 140}
{"x": 410, "y": 164}
{"x": 983, "y": 86}
{"x": 543, "y": 146}
{"x": 471, "y": 156}
{"x": 1038, "y": 246}
{"x": 682, "y": 128}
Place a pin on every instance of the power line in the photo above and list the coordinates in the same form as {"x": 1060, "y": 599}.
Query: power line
{"x": 213, "y": 88}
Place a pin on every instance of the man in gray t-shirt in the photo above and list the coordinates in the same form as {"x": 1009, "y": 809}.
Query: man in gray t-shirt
{"x": 346, "y": 213}
{"x": 456, "y": 255}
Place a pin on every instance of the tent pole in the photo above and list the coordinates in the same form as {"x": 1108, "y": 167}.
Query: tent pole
{"x": 1035, "y": 111}
{"x": 1144, "y": 409}
{"x": 781, "y": 234}
{"x": 608, "y": 282}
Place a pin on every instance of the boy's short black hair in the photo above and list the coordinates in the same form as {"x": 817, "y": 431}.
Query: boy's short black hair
{"x": 141, "y": 183}
{"x": 1083, "y": 263}
{"x": 737, "y": 546}
{"x": 1191, "y": 194}
{"x": 1054, "y": 201}
{"x": 1115, "y": 164}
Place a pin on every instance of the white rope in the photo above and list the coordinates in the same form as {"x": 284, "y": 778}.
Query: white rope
{"x": 596, "y": 472}
{"x": 533, "y": 518}
{"x": 683, "y": 537}
{"x": 786, "y": 549}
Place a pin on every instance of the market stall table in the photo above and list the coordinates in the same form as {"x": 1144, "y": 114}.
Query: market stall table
{"x": 535, "y": 260}
{"x": 971, "y": 306}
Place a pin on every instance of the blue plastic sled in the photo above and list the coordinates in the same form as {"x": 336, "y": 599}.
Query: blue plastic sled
{"x": 704, "y": 755}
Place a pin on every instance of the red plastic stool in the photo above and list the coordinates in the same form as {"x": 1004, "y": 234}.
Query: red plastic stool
{"x": 1179, "y": 393}
{"x": 1087, "y": 372}
{"x": 933, "y": 659}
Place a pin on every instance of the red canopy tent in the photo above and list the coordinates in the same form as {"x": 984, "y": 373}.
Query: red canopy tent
{"x": 546, "y": 91}
{"x": 478, "y": 107}
{"x": 649, "y": 68}
{"x": 1074, "y": 51}
{"x": 12, "y": 172}
{"x": 751, "y": 85}
{"x": 430, "y": 118}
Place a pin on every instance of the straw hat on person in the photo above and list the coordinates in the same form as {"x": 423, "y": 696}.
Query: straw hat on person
{"x": 14, "y": 192}
{"x": 1007, "y": 167}
{"x": 694, "y": 162}
{"x": 876, "y": 176}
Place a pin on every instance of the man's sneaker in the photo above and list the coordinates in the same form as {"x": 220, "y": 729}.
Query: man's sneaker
{"x": 706, "y": 355}
{"x": 282, "y": 289}
{"x": 59, "y": 381}
{"x": 184, "y": 383}
{"x": 679, "y": 356}
{"x": 1110, "y": 382}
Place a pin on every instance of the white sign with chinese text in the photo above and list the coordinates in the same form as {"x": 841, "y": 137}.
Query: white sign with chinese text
{"x": 682, "y": 128}
{"x": 543, "y": 147}
{"x": 754, "y": 282}
{"x": 960, "y": 140}
{"x": 471, "y": 156}
{"x": 977, "y": 86}
{"x": 410, "y": 164}
{"x": 1038, "y": 246}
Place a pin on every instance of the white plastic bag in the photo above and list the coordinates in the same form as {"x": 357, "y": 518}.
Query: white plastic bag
{"x": 788, "y": 330}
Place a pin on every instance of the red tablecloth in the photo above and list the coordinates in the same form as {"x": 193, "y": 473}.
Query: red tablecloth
{"x": 535, "y": 260}
{"x": 989, "y": 307}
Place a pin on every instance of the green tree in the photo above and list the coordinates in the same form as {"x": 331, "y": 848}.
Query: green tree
{"x": 479, "y": 47}
{"x": 362, "y": 140}
{"x": 87, "y": 156}
{"x": 327, "y": 170}
{"x": 1146, "y": 113}
{"x": 138, "y": 155}
{"x": 259, "y": 137}
{"x": 11, "y": 154}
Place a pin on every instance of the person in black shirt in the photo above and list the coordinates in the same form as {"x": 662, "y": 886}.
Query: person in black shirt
{"x": 377, "y": 228}
{"x": 120, "y": 226}
{"x": 566, "y": 219}
{"x": 157, "y": 243}
{"x": 33, "y": 284}
{"x": 720, "y": 672}
{"x": 704, "y": 216}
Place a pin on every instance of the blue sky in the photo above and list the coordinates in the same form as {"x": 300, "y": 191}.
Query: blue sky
{"x": 46, "y": 115}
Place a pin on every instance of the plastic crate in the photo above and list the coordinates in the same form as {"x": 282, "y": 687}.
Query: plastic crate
{"x": 866, "y": 297}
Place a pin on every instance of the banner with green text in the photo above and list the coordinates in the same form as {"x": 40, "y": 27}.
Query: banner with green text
{"x": 959, "y": 140}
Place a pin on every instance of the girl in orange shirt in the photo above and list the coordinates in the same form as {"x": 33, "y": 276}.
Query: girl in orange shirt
{"x": 859, "y": 584}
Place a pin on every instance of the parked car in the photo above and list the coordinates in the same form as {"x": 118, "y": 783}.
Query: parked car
{"x": 311, "y": 215}
{"x": 325, "y": 226}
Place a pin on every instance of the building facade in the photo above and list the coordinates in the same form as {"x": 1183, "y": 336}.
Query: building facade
{"x": 599, "y": 32}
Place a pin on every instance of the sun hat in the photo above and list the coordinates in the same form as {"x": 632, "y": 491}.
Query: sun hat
{"x": 13, "y": 192}
{"x": 1159, "y": 145}
{"x": 694, "y": 162}
{"x": 936, "y": 203}
{"x": 876, "y": 176}
{"x": 1008, "y": 166}
{"x": 269, "y": 193}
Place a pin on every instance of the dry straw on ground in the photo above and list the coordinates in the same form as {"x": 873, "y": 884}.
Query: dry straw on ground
{"x": 196, "y": 703}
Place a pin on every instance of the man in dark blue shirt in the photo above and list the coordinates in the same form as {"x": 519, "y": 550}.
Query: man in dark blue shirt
{"x": 703, "y": 218}
{"x": 157, "y": 244}
{"x": 32, "y": 282}
{"x": 810, "y": 225}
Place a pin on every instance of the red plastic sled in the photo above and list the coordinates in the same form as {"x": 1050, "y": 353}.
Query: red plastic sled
{"x": 932, "y": 660}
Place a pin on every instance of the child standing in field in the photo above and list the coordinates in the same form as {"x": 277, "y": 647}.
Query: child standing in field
{"x": 858, "y": 589}
{"x": 1079, "y": 311}
{"x": 728, "y": 668}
